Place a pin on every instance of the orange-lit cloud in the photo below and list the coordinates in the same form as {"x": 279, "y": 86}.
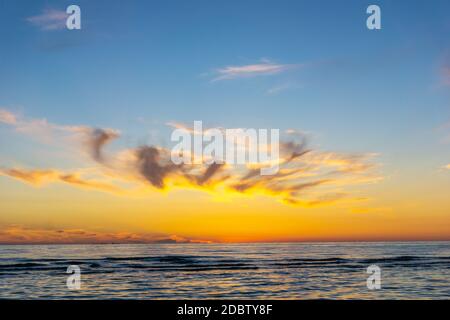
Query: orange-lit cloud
{"x": 20, "y": 234}
{"x": 306, "y": 177}
{"x": 41, "y": 177}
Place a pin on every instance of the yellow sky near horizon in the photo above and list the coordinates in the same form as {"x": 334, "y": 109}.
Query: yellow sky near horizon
{"x": 34, "y": 214}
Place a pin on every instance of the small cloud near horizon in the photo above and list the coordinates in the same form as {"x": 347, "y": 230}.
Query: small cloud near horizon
{"x": 266, "y": 67}
{"x": 17, "y": 234}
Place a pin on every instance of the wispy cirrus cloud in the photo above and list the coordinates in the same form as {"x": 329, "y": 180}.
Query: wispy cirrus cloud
{"x": 45, "y": 131}
{"x": 265, "y": 67}
{"x": 49, "y": 19}
{"x": 306, "y": 176}
{"x": 39, "y": 177}
{"x": 35, "y": 127}
{"x": 17, "y": 234}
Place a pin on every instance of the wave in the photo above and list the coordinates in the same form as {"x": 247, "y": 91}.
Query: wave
{"x": 212, "y": 263}
{"x": 26, "y": 265}
{"x": 167, "y": 259}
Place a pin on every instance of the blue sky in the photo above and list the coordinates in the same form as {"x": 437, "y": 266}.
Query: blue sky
{"x": 137, "y": 66}
{"x": 374, "y": 104}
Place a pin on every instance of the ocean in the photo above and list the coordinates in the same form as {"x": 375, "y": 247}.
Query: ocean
{"x": 412, "y": 270}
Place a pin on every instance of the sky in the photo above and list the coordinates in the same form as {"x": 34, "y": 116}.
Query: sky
{"x": 86, "y": 118}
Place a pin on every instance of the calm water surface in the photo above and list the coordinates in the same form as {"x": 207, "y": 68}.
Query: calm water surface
{"x": 254, "y": 271}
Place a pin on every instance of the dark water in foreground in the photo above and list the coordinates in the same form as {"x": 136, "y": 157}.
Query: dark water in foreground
{"x": 254, "y": 271}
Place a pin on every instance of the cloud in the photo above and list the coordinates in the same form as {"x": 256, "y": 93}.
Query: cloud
{"x": 306, "y": 176}
{"x": 92, "y": 139}
{"x": 17, "y": 234}
{"x": 302, "y": 169}
{"x": 7, "y": 117}
{"x": 49, "y": 19}
{"x": 35, "y": 177}
{"x": 97, "y": 138}
{"x": 38, "y": 177}
{"x": 154, "y": 167}
{"x": 266, "y": 67}
{"x": 209, "y": 173}
{"x": 75, "y": 179}
{"x": 37, "y": 128}
{"x": 181, "y": 126}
